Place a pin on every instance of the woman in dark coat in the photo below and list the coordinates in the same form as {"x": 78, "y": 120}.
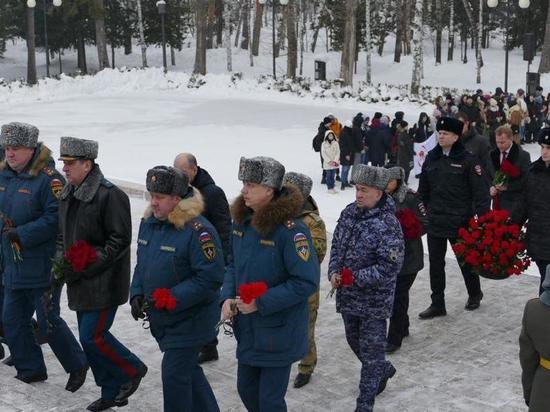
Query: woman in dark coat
{"x": 422, "y": 129}
{"x": 405, "y": 150}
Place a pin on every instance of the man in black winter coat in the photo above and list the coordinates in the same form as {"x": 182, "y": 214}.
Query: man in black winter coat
{"x": 217, "y": 212}
{"x": 453, "y": 188}
{"x": 475, "y": 143}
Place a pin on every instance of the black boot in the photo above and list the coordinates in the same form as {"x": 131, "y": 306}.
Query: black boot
{"x": 2, "y": 353}
{"x": 432, "y": 312}
{"x": 302, "y": 379}
{"x": 131, "y": 386}
{"x": 389, "y": 374}
{"x": 343, "y": 186}
{"x": 8, "y": 361}
{"x": 32, "y": 379}
{"x": 76, "y": 380}
{"x": 473, "y": 302}
{"x": 392, "y": 347}
{"x": 104, "y": 404}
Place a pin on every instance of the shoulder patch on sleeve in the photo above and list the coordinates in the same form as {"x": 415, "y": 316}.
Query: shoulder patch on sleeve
{"x": 57, "y": 187}
{"x": 207, "y": 245}
{"x": 302, "y": 246}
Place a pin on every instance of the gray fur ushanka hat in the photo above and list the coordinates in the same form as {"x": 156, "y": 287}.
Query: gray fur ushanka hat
{"x": 72, "y": 148}
{"x": 262, "y": 170}
{"x": 167, "y": 180}
{"x": 301, "y": 181}
{"x": 19, "y": 135}
{"x": 376, "y": 177}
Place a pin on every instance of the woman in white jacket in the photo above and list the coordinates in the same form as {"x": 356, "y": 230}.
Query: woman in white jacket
{"x": 330, "y": 152}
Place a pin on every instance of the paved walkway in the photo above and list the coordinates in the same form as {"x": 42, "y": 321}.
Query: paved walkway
{"x": 467, "y": 361}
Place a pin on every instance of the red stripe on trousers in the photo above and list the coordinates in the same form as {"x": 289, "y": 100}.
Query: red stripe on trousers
{"x": 109, "y": 352}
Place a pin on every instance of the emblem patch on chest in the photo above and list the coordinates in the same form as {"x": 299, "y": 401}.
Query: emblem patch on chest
{"x": 302, "y": 246}
{"x": 168, "y": 248}
{"x": 24, "y": 190}
{"x": 207, "y": 245}
{"x": 267, "y": 242}
{"x": 142, "y": 242}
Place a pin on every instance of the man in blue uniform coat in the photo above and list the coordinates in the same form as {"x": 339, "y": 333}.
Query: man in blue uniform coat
{"x": 268, "y": 245}
{"x": 179, "y": 250}
{"x": 29, "y": 192}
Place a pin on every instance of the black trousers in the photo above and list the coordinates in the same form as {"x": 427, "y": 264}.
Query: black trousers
{"x": 542, "y": 264}
{"x": 437, "y": 247}
{"x": 399, "y": 321}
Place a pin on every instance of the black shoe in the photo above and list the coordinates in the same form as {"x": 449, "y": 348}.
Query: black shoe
{"x": 432, "y": 312}
{"x": 103, "y": 404}
{"x": 208, "y": 354}
{"x": 40, "y": 377}
{"x": 392, "y": 347}
{"x": 302, "y": 379}
{"x": 76, "y": 380}
{"x": 384, "y": 381}
{"x": 473, "y": 302}
{"x": 2, "y": 353}
{"x": 8, "y": 361}
{"x": 131, "y": 386}
{"x": 338, "y": 178}
{"x": 343, "y": 186}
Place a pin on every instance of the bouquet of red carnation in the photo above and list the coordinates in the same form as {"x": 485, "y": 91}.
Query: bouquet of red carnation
{"x": 247, "y": 293}
{"x": 77, "y": 258}
{"x": 161, "y": 299}
{"x": 506, "y": 171}
{"x": 492, "y": 246}
{"x": 410, "y": 224}
{"x": 346, "y": 279}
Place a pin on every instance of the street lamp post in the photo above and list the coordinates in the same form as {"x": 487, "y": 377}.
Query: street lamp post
{"x": 274, "y": 2}
{"x": 56, "y": 3}
{"x": 161, "y": 5}
{"x": 493, "y": 4}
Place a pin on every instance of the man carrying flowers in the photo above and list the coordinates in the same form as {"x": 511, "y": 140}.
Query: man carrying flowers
{"x": 454, "y": 188}
{"x": 94, "y": 210}
{"x": 268, "y": 245}
{"x": 508, "y": 168}
{"x": 176, "y": 284}
{"x": 29, "y": 201}
{"x": 368, "y": 244}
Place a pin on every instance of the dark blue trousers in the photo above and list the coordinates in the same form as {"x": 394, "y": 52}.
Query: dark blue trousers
{"x": 184, "y": 386}
{"x": 111, "y": 362}
{"x": 263, "y": 389}
{"x": 18, "y": 309}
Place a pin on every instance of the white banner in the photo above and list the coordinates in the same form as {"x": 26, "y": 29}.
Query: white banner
{"x": 421, "y": 151}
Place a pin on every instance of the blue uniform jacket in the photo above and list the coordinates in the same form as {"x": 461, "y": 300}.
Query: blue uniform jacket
{"x": 184, "y": 255}
{"x": 30, "y": 200}
{"x": 272, "y": 247}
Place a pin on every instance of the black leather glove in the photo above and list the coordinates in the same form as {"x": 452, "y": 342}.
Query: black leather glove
{"x": 71, "y": 277}
{"x": 137, "y": 307}
{"x": 11, "y": 233}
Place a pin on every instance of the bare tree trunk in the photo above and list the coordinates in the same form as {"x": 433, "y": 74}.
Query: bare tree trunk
{"x": 398, "y": 32}
{"x": 219, "y": 22}
{"x": 210, "y": 23}
{"x": 368, "y": 41}
{"x": 227, "y": 33}
{"x": 544, "y": 66}
{"x": 172, "y": 56}
{"x": 201, "y": 23}
{"x": 246, "y": 32}
{"x": 417, "y": 49}
{"x": 407, "y": 27}
{"x": 438, "y": 34}
{"x": 303, "y": 31}
{"x": 292, "y": 58}
{"x": 100, "y": 39}
{"x": 31, "y": 51}
{"x": 451, "y": 46}
{"x": 249, "y": 43}
{"x": 257, "y": 28}
{"x": 81, "y": 55}
{"x": 479, "y": 36}
{"x": 348, "y": 52}
{"x": 142, "y": 44}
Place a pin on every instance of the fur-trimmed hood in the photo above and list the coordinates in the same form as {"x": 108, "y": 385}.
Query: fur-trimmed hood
{"x": 42, "y": 158}
{"x": 190, "y": 207}
{"x": 87, "y": 189}
{"x": 287, "y": 205}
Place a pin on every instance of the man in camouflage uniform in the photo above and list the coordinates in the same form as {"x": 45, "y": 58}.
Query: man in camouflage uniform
{"x": 367, "y": 241}
{"x": 310, "y": 217}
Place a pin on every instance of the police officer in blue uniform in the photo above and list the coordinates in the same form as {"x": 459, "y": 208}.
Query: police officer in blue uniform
{"x": 179, "y": 250}
{"x": 94, "y": 210}
{"x": 29, "y": 192}
{"x": 268, "y": 245}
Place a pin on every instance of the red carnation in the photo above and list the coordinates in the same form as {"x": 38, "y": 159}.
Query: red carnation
{"x": 163, "y": 299}
{"x": 80, "y": 255}
{"x": 410, "y": 224}
{"x": 510, "y": 169}
{"x": 250, "y": 291}
{"x": 347, "y": 277}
